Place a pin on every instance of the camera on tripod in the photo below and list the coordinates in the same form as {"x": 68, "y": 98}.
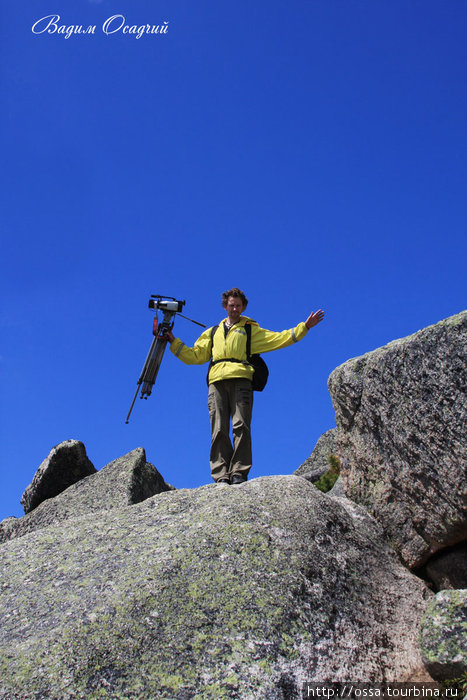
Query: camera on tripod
{"x": 157, "y": 301}
{"x": 170, "y": 307}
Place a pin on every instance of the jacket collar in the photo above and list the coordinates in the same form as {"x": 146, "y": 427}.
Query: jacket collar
{"x": 241, "y": 322}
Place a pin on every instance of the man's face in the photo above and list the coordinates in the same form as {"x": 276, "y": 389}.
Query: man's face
{"x": 234, "y": 308}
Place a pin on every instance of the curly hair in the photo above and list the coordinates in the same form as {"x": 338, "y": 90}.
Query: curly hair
{"x": 235, "y": 292}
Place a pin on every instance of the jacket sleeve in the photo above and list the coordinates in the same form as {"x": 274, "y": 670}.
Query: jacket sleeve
{"x": 198, "y": 354}
{"x": 263, "y": 340}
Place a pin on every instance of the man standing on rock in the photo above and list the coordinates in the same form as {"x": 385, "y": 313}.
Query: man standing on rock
{"x": 230, "y": 380}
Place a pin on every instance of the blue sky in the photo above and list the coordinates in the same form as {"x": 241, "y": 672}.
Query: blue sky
{"x": 312, "y": 153}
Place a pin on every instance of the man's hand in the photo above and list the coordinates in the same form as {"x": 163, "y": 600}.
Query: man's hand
{"x": 314, "y": 318}
{"x": 170, "y": 336}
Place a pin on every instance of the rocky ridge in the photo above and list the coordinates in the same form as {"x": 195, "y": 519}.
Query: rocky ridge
{"x": 125, "y": 481}
{"x": 120, "y": 586}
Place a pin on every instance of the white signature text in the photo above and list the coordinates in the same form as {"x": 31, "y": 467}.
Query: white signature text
{"x": 112, "y": 25}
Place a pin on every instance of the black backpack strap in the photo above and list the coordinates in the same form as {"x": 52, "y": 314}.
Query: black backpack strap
{"x": 248, "y": 341}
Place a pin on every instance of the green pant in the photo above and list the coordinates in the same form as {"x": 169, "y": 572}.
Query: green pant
{"x": 230, "y": 398}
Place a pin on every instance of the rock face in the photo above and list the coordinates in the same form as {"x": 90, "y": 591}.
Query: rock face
{"x": 338, "y": 490}
{"x": 318, "y": 462}
{"x": 401, "y": 413}
{"x": 66, "y": 464}
{"x": 243, "y": 592}
{"x": 125, "y": 481}
{"x": 443, "y": 635}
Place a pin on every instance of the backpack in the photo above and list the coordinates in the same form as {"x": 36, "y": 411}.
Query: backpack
{"x": 261, "y": 371}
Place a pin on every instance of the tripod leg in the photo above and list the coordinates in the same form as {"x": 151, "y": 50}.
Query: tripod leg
{"x": 143, "y": 373}
{"x": 132, "y": 404}
{"x": 153, "y": 361}
{"x": 150, "y": 372}
{"x": 156, "y": 353}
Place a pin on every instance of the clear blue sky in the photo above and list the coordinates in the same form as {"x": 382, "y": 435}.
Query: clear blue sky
{"x": 312, "y": 153}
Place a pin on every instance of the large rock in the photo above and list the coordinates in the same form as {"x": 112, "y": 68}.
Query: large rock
{"x": 401, "y": 413}
{"x": 66, "y": 464}
{"x": 242, "y": 592}
{"x": 443, "y": 635}
{"x": 125, "y": 481}
{"x": 318, "y": 462}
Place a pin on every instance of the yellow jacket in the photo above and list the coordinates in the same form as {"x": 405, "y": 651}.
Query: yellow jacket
{"x": 234, "y": 345}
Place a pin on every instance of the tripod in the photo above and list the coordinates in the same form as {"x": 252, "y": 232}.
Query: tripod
{"x": 170, "y": 306}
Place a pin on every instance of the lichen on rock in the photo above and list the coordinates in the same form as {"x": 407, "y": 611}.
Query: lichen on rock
{"x": 238, "y": 592}
{"x": 443, "y": 635}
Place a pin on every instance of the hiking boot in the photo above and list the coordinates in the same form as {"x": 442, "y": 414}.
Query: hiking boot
{"x": 238, "y": 479}
{"x": 223, "y": 482}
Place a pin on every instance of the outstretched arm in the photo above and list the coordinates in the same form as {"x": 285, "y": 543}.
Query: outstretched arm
{"x": 263, "y": 340}
{"x": 314, "y": 318}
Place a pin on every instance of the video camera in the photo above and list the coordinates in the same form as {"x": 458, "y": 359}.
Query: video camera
{"x": 158, "y": 301}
